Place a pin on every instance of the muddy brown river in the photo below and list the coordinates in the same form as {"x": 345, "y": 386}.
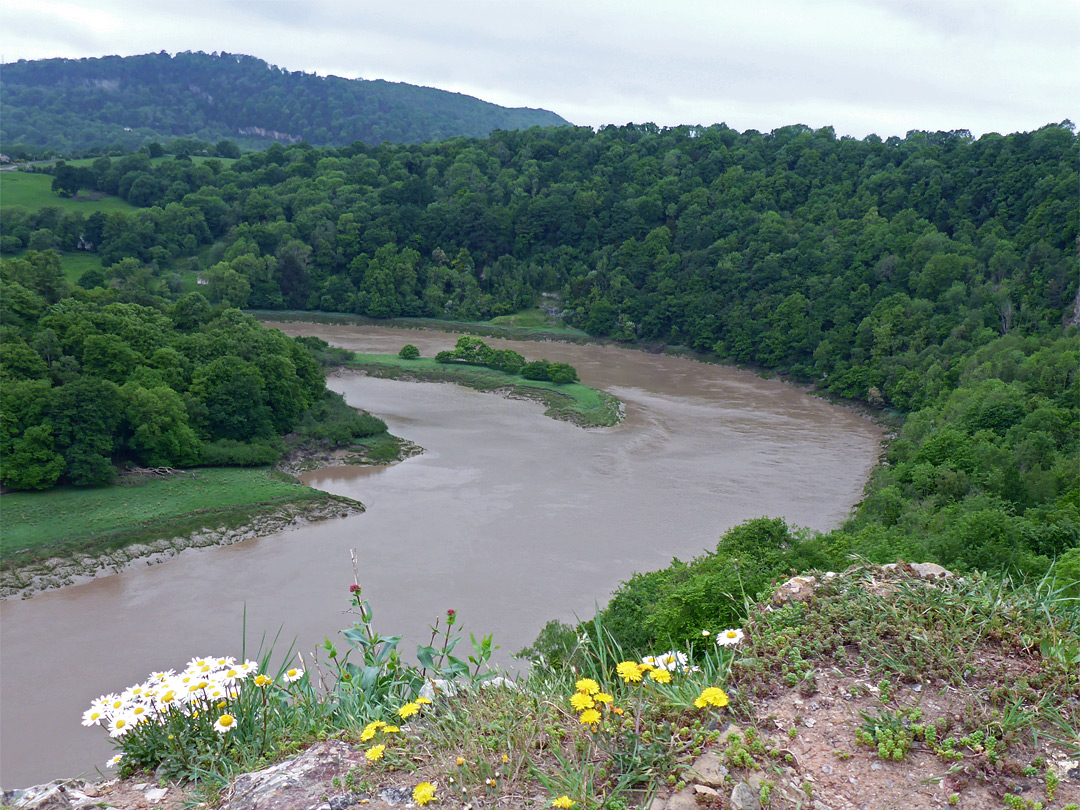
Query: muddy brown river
{"x": 509, "y": 517}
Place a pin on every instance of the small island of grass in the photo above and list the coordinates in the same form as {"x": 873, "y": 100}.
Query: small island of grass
{"x": 475, "y": 365}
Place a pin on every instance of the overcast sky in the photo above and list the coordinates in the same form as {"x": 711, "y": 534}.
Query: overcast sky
{"x": 861, "y": 66}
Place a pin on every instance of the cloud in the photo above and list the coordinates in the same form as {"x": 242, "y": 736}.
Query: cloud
{"x": 862, "y": 66}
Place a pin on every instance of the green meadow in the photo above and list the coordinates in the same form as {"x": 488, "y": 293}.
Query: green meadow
{"x": 78, "y": 262}
{"x": 528, "y": 324}
{"x": 34, "y": 191}
{"x": 572, "y": 402}
{"x": 66, "y": 519}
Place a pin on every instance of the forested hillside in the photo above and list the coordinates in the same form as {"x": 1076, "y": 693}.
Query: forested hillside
{"x": 94, "y": 379}
{"x": 71, "y": 106}
{"x": 934, "y": 274}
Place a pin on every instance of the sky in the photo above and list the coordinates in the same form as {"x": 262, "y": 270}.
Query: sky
{"x": 860, "y": 66}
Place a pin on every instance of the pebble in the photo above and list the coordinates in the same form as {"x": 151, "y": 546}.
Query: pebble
{"x": 826, "y": 769}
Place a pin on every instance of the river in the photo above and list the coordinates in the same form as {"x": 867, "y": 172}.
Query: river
{"x": 509, "y": 517}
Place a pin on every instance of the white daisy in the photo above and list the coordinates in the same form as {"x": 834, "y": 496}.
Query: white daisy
{"x": 729, "y": 637}
{"x": 293, "y": 674}
{"x": 225, "y": 723}
{"x": 93, "y": 717}
{"x": 119, "y": 726}
{"x": 671, "y": 661}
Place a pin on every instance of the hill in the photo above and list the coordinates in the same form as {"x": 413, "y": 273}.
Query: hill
{"x": 69, "y": 105}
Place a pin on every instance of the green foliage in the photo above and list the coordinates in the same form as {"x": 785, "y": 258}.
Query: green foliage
{"x": 94, "y": 382}
{"x": 888, "y": 731}
{"x": 330, "y": 422}
{"x": 474, "y": 352}
{"x": 233, "y": 453}
{"x": 674, "y": 605}
{"x": 409, "y": 352}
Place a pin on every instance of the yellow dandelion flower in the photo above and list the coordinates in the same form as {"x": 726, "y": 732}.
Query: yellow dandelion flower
{"x": 505, "y": 759}
{"x": 422, "y": 700}
{"x": 629, "y": 671}
{"x": 590, "y": 717}
{"x": 408, "y": 710}
{"x": 617, "y": 710}
{"x": 375, "y": 753}
{"x": 423, "y": 793}
{"x": 460, "y": 761}
{"x": 660, "y": 676}
{"x": 588, "y": 686}
{"x": 580, "y": 701}
{"x": 563, "y": 803}
{"x": 602, "y": 697}
{"x": 391, "y": 729}
{"x": 369, "y": 731}
{"x": 712, "y": 696}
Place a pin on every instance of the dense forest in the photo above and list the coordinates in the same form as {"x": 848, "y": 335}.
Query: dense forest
{"x": 933, "y": 275}
{"x": 92, "y": 380}
{"x": 72, "y": 106}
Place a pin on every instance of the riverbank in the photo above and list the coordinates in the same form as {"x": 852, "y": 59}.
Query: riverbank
{"x": 379, "y": 450}
{"x": 218, "y": 527}
{"x": 569, "y": 402}
{"x": 69, "y": 535}
{"x": 508, "y": 327}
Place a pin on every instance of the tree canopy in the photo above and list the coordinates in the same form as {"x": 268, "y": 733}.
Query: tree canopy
{"x": 91, "y": 381}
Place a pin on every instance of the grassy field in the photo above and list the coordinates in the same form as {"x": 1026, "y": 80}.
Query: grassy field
{"x": 573, "y": 402}
{"x": 529, "y": 324}
{"x": 35, "y": 191}
{"x": 66, "y": 519}
{"x": 77, "y": 263}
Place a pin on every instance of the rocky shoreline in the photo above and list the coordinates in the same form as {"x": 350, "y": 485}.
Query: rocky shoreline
{"x": 59, "y": 572}
{"x": 305, "y": 461}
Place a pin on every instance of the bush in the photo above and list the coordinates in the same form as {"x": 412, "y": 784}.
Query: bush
{"x": 231, "y": 453}
{"x": 409, "y": 352}
{"x": 536, "y": 370}
{"x": 562, "y": 373}
{"x": 322, "y": 351}
{"x": 332, "y": 422}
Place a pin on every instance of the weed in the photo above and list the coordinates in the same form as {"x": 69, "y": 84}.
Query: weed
{"x": 890, "y": 732}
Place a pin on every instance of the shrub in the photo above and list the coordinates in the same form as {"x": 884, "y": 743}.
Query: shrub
{"x": 536, "y": 370}
{"x": 232, "y": 453}
{"x": 409, "y": 352}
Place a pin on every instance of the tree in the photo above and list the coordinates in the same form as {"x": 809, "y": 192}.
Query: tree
{"x": 157, "y": 427}
{"x": 85, "y": 413}
{"x": 231, "y": 395}
{"x": 226, "y": 149}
